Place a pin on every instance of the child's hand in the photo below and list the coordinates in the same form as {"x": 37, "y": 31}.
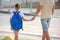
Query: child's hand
{"x": 11, "y": 28}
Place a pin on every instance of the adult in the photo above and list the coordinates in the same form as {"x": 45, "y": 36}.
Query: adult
{"x": 46, "y": 8}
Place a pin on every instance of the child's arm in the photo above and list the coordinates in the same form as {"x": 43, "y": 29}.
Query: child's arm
{"x": 10, "y": 24}
{"x": 10, "y": 19}
{"x": 26, "y": 19}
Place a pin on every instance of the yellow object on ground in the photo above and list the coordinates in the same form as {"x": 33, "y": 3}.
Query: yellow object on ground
{"x": 8, "y": 38}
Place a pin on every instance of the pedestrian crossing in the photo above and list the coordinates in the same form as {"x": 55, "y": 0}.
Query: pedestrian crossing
{"x": 32, "y": 28}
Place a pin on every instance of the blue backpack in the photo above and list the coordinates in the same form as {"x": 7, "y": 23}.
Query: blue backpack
{"x": 16, "y": 21}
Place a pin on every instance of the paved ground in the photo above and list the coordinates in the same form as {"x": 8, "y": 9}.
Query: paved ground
{"x": 23, "y": 37}
{"x": 32, "y": 29}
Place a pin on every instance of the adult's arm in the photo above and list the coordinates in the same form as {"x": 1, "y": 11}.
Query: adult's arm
{"x": 37, "y": 11}
{"x": 53, "y": 9}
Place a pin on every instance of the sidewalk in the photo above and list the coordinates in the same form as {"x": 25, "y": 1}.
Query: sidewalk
{"x": 23, "y": 37}
{"x": 32, "y": 29}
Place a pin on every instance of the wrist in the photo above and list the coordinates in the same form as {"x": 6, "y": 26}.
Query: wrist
{"x": 35, "y": 15}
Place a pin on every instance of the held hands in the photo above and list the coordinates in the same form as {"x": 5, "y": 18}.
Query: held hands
{"x": 31, "y": 19}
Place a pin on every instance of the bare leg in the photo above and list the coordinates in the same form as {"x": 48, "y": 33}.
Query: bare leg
{"x": 16, "y": 34}
{"x": 43, "y": 36}
{"x": 47, "y": 35}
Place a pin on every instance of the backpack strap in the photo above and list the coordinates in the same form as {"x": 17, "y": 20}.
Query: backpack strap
{"x": 16, "y": 12}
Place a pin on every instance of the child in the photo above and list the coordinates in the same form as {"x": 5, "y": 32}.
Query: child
{"x": 16, "y": 20}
